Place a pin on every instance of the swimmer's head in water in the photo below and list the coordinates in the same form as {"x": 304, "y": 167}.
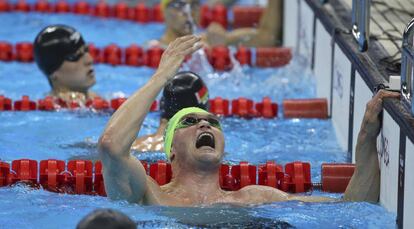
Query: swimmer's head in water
{"x": 186, "y": 118}
{"x": 55, "y": 44}
{"x": 62, "y": 55}
{"x": 186, "y": 89}
{"x": 180, "y": 14}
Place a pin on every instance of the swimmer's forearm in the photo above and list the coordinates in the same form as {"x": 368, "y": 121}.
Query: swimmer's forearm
{"x": 125, "y": 123}
{"x": 365, "y": 183}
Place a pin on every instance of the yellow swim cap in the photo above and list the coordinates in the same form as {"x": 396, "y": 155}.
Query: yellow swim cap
{"x": 172, "y": 125}
{"x": 164, "y": 4}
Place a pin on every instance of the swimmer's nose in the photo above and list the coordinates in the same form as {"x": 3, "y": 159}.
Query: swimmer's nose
{"x": 204, "y": 124}
{"x": 88, "y": 60}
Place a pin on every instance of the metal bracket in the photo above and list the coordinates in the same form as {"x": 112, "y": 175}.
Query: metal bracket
{"x": 407, "y": 65}
{"x": 361, "y": 12}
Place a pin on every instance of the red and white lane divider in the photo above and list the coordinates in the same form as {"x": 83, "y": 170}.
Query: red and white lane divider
{"x": 240, "y": 107}
{"x": 85, "y": 177}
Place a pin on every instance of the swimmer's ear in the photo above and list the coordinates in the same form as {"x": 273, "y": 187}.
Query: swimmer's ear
{"x": 53, "y": 77}
{"x": 172, "y": 154}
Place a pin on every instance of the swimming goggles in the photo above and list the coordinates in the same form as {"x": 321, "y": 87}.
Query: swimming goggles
{"x": 191, "y": 121}
{"x": 78, "y": 54}
{"x": 180, "y": 4}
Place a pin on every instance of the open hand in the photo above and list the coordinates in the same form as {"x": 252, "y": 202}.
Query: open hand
{"x": 174, "y": 55}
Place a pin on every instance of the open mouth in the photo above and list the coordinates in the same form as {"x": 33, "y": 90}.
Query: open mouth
{"x": 205, "y": 139}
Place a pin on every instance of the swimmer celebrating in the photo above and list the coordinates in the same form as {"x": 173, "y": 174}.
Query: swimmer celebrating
{"x": 62, "y": 55}
{"x": 194, "y": 144}
{"x": 185, "y": 89}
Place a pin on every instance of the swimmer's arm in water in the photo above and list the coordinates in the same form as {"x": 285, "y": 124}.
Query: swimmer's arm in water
{"x": 268, "y": 33}
{"x": 365, "y": 183}
{"x": 124, "y": 176}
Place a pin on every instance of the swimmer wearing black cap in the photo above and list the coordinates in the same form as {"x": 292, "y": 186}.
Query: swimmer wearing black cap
{"x": 62, "y": 55}
{"x": 185, "y": 89}
{"x": 194, "y": 144}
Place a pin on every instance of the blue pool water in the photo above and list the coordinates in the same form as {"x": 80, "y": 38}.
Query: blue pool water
{"x": 73, "y": 134}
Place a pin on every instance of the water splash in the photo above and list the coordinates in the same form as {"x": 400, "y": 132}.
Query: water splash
{"x": 199, "y": 62}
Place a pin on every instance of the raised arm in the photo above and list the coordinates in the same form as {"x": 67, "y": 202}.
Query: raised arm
{"x": 365, "y": 183}
{"x": 124, "y": 176}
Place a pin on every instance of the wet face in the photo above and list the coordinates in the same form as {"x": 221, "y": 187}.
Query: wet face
{"x": 76, "y": 73}
{"x": 198, "y": 140}
{"x": 177, "y": 16}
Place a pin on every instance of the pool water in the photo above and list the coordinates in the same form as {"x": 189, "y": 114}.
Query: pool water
{"x": 74, "y": 134}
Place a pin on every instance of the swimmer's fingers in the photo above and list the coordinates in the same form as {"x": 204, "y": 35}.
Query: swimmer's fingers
{"x": 382, "y": 94}
{"x": 374, "y": 106}
{"x": 189, "y": 43}
{"x": 192, "y": 48}
{"x": 178, "y": 41}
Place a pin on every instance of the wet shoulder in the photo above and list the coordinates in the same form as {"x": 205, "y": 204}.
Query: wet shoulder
{"x": 257, "y": 194}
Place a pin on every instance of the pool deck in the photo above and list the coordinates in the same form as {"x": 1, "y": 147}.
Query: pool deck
{"x": 388, "y": 21}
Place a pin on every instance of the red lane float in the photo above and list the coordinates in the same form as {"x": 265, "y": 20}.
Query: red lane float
{"x": 243, "y": 107}
{"x": 46, "y": 104}
{"x": 81, "y": 177}
{"x": 336, "y": 176}
{"x": 4, "y": 6}
{"x": 5, "y": 103}
{"x": 95, "y": 53}
{"x": 6, "y": 51}
{"x": 141, "y": 13}
{"x": 112, "y": 55}
{"x": 51, "y": 175}
{"x": 220, "y": 58}
{"x": 244, "y": 55}
{"x": 205, "y": 16}
{"x": 246, "y": 16}
{"x": 81, "y": 7}
{"x": 25, "y": 104}
{"x": 97, "y": 103}
{"x": 273, "y": 57}
{"x": 305, "y": 108}
{"x": 220, "y": 15}
{"x": 22, "y": 6}
{"x": 157, "y": 13}
{"x": 121, "y": 10}
{"x": 101, "y": 9}
{"x": 4, "y": 173}
{"x": 62, "y": 7}
{"x": 153, "y": 56}
{"x": 24, "y": 170}
{"x": 266, "y": 108}
{"x": 244, "y": 173}
{"x": 240, "y": 107}
{"x": 98, "y": 185}
{"x": 43, "y": 6}
{"x": 116, "y": 103}
{"x": 24, "y": 52}
{"x": 161, "y": 172}
{"x": 134, "y": 56}
{"x": 298, "y": 177}
{"x": 271, "y": 174}
{"x": 219, "y": 106}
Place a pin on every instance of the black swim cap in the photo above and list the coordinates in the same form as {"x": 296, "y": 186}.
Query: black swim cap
{"x": 53, "y": 44}
{"x": 186, "y": 89}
